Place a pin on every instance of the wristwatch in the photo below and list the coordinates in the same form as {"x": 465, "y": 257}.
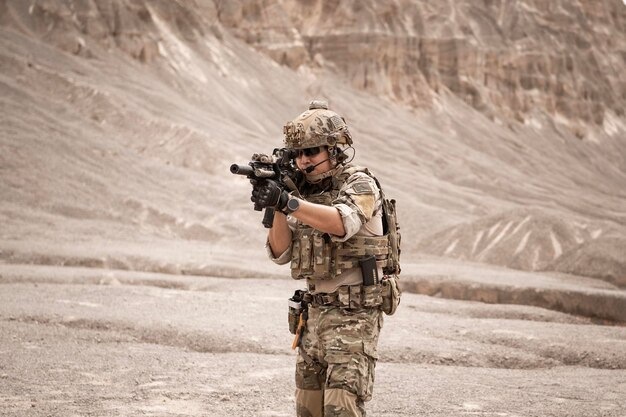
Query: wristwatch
{"x": 293, "y": 204}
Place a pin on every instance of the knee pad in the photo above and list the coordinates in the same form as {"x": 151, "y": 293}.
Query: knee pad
{"x": 342, "y": 403}
{"x": 309, "y": 403}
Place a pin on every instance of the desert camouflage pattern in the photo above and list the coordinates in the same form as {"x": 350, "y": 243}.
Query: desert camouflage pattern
{"x": 314, "y": 255}
{"x": 391, "y": 294}
{"x": 317, "y": 126}
{"x": 343, "y": 343}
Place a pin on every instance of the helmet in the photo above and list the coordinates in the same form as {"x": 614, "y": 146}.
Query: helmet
{"x": 317, "y": 126}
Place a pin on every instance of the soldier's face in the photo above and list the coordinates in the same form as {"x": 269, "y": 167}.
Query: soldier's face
{"x": 304, "y": 160}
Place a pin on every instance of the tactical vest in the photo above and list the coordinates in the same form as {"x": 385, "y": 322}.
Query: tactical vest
{"x": 315, "y": 256}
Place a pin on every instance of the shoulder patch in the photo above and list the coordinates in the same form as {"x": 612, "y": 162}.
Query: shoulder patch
{"x": 362, "y": 187}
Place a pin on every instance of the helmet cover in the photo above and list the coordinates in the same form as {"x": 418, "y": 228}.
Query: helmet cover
{"x": 317, "y": 126}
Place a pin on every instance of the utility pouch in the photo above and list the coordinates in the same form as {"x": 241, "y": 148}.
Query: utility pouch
{"x": 369, "y": 270}
{"x": 311, "y": 255}
{"x": 391, "y": 294}
{"x": 372, "y": 296}
{"x": 295, "y": 304}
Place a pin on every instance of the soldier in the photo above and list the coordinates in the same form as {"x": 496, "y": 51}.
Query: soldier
{"x": 332, "y": 231}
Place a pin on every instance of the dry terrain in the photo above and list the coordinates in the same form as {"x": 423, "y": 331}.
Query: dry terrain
{"x": 133, "y": 279}
{"x": 89, "y": 342}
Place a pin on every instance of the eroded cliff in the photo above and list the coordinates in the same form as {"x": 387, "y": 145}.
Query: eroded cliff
{"x": 505, "y": 58}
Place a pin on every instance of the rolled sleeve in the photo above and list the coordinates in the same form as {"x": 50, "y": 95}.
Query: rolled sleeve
{"x": 351, "y": 222}
{"x": 282, "y": 259}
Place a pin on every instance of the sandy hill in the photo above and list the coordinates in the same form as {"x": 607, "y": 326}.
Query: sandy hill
{"x": 499, "y": 127}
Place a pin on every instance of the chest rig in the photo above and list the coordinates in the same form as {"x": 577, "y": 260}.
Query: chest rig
{"x": 315, "y": 256}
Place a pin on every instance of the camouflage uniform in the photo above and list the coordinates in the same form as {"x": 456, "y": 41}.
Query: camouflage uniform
{"x": 338, "y": 348}
{"x": 343, "y": 342}
{"x": 340, "y": 339}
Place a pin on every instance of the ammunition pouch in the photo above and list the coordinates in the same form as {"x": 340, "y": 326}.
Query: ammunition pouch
{"x": 391, "y": 294}
{"x": 315, "y": 256}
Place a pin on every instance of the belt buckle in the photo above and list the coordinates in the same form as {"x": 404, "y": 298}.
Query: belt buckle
{"x": 323, "y": 299}
{"x": 319, "y": 300}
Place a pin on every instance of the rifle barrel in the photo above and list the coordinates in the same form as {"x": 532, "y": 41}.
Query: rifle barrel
{"x": 241, "y": 170}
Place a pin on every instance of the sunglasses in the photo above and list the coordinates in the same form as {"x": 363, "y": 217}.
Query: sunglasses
{"x": 309, "y": 151}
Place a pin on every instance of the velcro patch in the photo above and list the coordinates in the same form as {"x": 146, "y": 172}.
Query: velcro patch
{"x": 336, "y": 122}
{"x": 361, "y": 188}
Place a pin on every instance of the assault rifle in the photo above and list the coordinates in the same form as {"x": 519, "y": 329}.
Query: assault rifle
{"x": 278, "y": 167}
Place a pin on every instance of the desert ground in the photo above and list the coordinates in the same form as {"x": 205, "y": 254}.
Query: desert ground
{"x": 90, "y": 342}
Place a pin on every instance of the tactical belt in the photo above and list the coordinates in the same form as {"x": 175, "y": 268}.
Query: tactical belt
{"x": 348, "y": 296}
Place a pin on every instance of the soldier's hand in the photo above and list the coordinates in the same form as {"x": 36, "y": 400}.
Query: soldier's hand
{"x": 256, "y": 187}
{"x": 269, "y": 193}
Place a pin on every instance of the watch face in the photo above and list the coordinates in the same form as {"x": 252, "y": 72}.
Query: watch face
{"x": 293, "y": 204}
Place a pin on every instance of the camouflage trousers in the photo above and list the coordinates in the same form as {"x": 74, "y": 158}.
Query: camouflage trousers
{"x": 344, "y": 342}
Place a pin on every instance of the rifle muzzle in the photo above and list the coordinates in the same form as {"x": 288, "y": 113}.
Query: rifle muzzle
{"x": 241, "y": 170}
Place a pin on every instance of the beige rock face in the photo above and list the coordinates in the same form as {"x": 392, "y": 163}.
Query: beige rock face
{"x": 505, "y": 58}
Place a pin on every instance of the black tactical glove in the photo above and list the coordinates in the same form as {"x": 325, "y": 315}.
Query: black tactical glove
{"x": 269, "y": 193}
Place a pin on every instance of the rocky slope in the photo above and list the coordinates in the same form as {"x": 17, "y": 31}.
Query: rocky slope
{"x": 534, "y": 241}
{"x": 119, "y": 121}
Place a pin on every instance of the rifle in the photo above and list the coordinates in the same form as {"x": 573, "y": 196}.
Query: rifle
{"x": 278, "y": 167}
